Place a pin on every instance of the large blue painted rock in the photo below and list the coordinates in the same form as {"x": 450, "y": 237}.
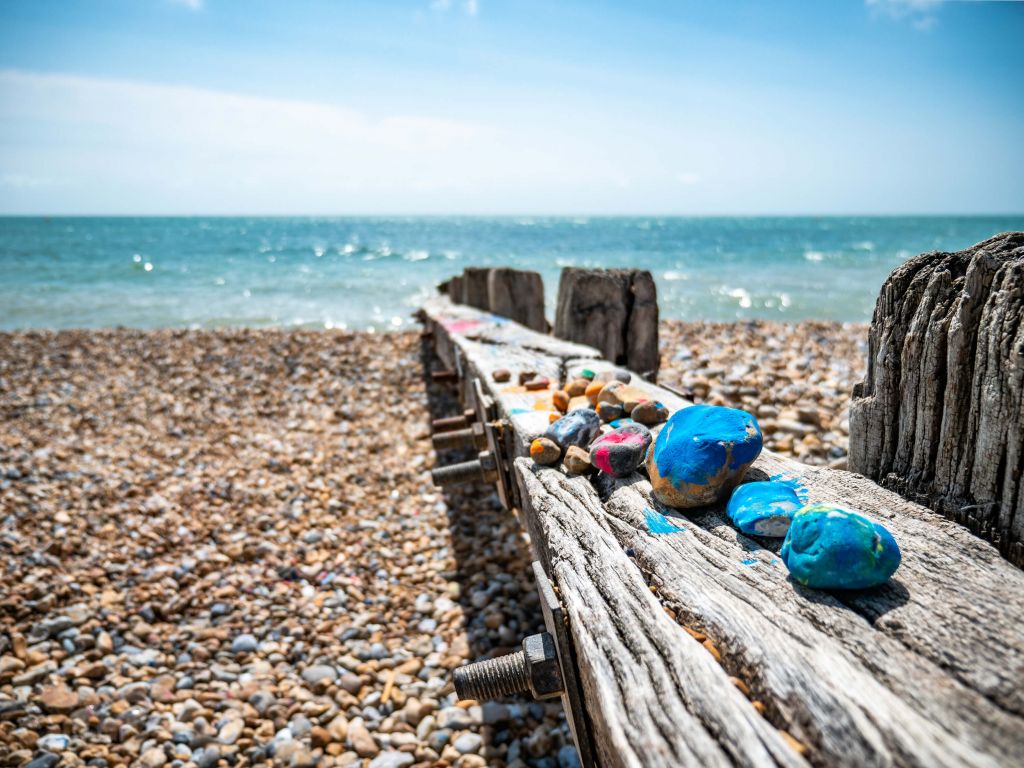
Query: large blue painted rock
{"x": 622, "y": 450}
{"x": 829, "y": 547}
{"x": 763, "y": 509}
{"x": 578, "y": 427}
{"x": 701, "y": 454}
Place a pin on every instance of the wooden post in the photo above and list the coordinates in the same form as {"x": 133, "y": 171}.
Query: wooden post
{"x": 474, "y": 288}
{"x": 614, "y": 310}
{"x": 518, "y": 295}
{"x": 939, "y": 416}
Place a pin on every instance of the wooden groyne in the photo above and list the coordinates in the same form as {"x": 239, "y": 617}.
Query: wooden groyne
{"x": 690, "y": 645}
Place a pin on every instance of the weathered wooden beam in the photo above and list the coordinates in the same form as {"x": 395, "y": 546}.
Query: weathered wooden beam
{"x": 517, "y": 294}
{"x": 924, "y": 670}
{"x": 939, "y": 416}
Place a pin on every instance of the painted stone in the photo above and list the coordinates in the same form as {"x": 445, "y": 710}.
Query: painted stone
{"x": 577, "y": 387}
{"x": 587, "y": 374}
{"x": 545, "y": 451}
{"x": 553, "y": 417}
{"x": 535, "y": 385}
{"x": 560, "y": 399}
{"x": 614, "y": 374}
{"x": 577, "y": 427}
{"x": 502, "y": 375}
{"x": 764, "y": 508}
{"x": 593, "y": 390}
{"x": 525, "y": 376}
{"x": 613, "y": 392}
{"x": 621, "y": 423}
{"x": 610, "y": 411}
{"x": 701, "y": 454}
{"x": 622, "y": 450}
{"x": 577, "y": 460}
{"x": 649, "y": 413}
{"x": 829, "y": 547}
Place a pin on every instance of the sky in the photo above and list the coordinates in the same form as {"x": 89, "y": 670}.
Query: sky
{"x": 325, "y": 107}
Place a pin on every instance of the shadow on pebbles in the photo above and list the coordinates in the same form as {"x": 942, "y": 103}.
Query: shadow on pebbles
{"x": 224, "y": 548}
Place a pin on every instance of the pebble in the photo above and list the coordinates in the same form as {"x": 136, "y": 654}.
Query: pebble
{"x": 649, "y": 413}
{"x": 535, "y": 385}
{"x": 619, "y": 452}
{"x": 577, "y": 387}
{"x": 782, "y": 371}
{"x": 614, "y": 392}
{"x": 593, "y": 390}
{"x": 560, "y": 399}
{"x": 701, "y": 454}
{"x": 502, "y": 375}
{"x": 763, "y": 508}
{"x": 829, "y": 547}
{"x": 577, "y": 460}
{"x": 609, "y": 412}
{"x": 525, "y": 376}
{"x": 244, "y": 644}
{"x": 361, "y": 740}
{"x": 392, "y": 759}
{"x": 139, "y": 557}
{"x": 467, "y": 743}
{"x": 545, "y": 451}
{"x": 578, "y": 427}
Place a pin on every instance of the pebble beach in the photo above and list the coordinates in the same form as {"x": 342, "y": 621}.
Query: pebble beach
{"x": 223, "y": 548}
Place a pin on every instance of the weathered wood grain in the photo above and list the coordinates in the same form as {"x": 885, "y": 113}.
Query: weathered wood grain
{"x": 518, "y": 295}
{"x": 925, "y": 670}
{"x": 939, "y": 416}
{"x": 655, "y": 697}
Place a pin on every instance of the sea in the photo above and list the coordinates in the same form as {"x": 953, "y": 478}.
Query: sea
{"x": 369, "y": 273}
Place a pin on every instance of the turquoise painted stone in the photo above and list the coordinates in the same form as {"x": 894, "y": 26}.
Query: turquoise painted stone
{"x": 578, "y": 427}
{"x": 829, "y": 547}
{"x": 701, "y": 454}
{"x": 622, "y": 450}
{"x": 763, "y": 509}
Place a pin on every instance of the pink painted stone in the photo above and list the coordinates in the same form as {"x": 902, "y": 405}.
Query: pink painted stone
{"x": 621, "y": 451}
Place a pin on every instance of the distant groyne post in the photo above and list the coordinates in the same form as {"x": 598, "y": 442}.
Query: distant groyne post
{"x": 939, "y": 417}
{"x": 613, "y": 310}
{"x": 517, "y": 294}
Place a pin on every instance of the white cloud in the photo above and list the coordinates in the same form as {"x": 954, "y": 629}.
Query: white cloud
{"x": 920, "y": 14}
{"x": 469, "y": 7}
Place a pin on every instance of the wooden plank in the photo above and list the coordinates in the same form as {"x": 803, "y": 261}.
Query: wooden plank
{"x": 925, "y": 670}
{"x": 655, "y": 697}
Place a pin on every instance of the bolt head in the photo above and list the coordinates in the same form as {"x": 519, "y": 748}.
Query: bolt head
{"x": 542, "y": 665}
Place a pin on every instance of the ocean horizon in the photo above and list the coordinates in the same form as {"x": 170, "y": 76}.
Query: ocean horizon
{"x": 370, "y": 273}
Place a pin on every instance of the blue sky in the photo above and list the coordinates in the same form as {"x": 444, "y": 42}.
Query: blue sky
{"x": 482, "y": 106}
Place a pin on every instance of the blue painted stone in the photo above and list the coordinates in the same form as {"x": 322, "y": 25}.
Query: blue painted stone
{"x": 701, "y": 454}
{"x": 829, "y": 547}
{"x": 578, "y": 427}
{"x": 763, "y": 509}
{"x": 622, "y": 450}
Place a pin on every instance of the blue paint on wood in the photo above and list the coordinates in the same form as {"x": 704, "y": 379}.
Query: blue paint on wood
{"x": 658, "y": 523}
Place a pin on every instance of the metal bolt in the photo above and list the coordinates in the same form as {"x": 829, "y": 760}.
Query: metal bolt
{"x": 534, "y": 669}
{"x": 473, "y": 436}
{"x": 453, "y": 422}
{"x": 447, "y": 374}
{"x": 481, "y": 468}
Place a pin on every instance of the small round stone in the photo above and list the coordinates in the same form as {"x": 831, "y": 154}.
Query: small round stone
{"x": 610, "y": 411}
{"x": 525, "y": 376}
{"x": 537, "y": 384}
{"x": 577, "y": 460}
{"x": 577, "y": 387}
{"x": 593, "y": 390}
{"x": 502, "y": 375}
{"x": 560, "y": 399}
{"x": 544, "y": 451}
{"x": 244, "y": 643}
{"x": 614, "y": 392}
{"x": 649, "y": 413}
{"x": 621, "y": 451}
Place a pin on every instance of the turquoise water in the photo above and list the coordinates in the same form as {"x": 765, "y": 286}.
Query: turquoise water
{"x": 372, "y": 272}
